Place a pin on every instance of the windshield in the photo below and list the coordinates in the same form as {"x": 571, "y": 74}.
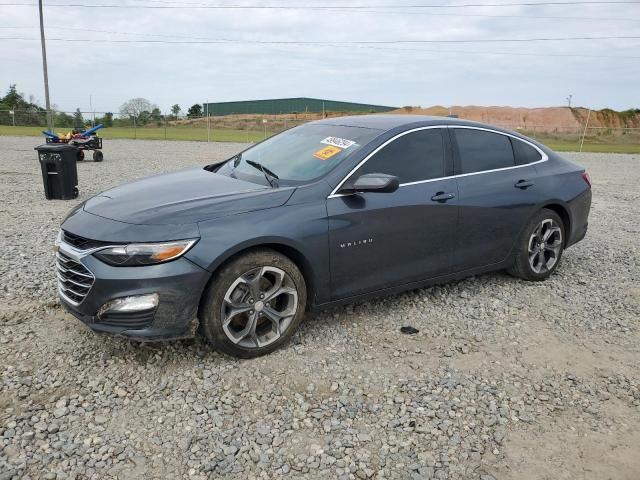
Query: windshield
{"x": 298, "y": 155}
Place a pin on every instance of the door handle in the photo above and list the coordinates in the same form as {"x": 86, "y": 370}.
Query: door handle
{"x": 442, "y": 197}
{"x": 523, "y": 184}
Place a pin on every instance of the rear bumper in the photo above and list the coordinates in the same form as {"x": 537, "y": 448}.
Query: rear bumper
{"x": 178, "y": 284}
{"x": 579, "y": 213}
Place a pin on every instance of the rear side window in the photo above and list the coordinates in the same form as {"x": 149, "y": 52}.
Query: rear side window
{"x": 412, "y": 157}
{"x": 480, "y": 150}
{"x": 524, "y": 152}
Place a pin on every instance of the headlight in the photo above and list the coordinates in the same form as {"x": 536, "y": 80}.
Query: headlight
{"x": 138, "y": 254}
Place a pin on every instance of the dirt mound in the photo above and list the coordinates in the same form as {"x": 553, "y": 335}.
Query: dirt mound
{"x": 556, "y": 118}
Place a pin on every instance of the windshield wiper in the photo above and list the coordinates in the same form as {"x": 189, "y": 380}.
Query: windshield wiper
{"x": 267, "y": 173}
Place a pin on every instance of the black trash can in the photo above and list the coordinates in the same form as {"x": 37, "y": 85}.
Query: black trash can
{"x": 59, "y": 172}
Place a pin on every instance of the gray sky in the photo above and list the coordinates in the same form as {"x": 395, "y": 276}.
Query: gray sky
{"x": 541, "y": 74}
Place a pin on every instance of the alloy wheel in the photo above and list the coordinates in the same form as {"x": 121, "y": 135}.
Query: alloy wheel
{"x": 259, "y": 306}
{"x": 545, "y": 246}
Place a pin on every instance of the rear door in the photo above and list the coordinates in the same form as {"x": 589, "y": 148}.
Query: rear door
{"x": 497, "y": 195}
{"x": 382, "y": 240}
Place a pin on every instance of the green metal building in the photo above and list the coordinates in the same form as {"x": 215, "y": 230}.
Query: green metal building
{"x": 289, "y": 105}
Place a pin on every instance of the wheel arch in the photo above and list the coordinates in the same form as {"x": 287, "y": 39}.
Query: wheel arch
{"x": 563, "y": 213}
{"x": 279, "y": 245}
{"x": 555, "y": 206}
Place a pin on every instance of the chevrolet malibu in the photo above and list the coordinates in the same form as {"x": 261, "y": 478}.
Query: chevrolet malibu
{"x": 330, "y": 212}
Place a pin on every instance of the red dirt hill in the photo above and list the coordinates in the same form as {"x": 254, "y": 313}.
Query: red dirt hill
{"x": 559, "y": 118}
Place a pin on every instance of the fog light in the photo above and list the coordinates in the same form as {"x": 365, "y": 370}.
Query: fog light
{"x": 136, "y": 303}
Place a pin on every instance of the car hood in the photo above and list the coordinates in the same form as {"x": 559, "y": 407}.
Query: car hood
{"x": 187, "y": 196}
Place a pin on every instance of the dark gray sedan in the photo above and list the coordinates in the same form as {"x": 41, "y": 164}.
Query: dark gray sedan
{"x": 329, "y": 212}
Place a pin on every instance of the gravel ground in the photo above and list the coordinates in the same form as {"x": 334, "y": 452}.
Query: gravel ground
{"x": 505, "y": 379}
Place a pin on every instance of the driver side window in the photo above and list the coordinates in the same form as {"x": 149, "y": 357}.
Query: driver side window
{"x": 412, "y": 157}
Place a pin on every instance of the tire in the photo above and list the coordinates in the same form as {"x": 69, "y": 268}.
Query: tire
{"x": 259, "y": 325}
{"x": 98, "y": 156}
{"x": 80, "y": 156}
{"x": 528, "y": 263}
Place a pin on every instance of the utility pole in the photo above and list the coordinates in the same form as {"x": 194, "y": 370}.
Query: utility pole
{"x": 208, "y": 123}
{"x": 93, "y": 113}
{"x": 44, "y": 69}
{"x": 584, "y": 133}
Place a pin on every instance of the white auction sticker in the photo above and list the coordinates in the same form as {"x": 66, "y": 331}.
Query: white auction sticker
{"x": 338, "y": 142}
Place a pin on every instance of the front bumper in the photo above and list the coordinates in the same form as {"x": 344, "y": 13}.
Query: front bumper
{"x": 178, "y": 284}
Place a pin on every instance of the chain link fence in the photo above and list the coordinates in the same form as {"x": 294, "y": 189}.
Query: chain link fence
{"x": 252, "y": 128}
{"x": 232, "y": 128}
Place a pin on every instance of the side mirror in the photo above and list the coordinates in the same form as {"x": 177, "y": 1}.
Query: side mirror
{"x": 374, "y": 182}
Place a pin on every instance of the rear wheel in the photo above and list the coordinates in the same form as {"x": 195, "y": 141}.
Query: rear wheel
{"x": 80, "y": 155}
{"x": 254, "y": 304}
{"x": 540, "y": 247}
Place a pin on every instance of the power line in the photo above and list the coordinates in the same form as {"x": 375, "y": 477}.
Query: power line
{"x": 176, "y": 3}
{"x": 373, "y": 47}
{"x": 517, "y": 54}
{"x": 358, "y": 46}
{"x": 332, "y": 44}
{"x": 336, "y": 43}
{"x": 331, "y": 7}
{"x": 484, "y": 15}
{"x": 463, "y": 15}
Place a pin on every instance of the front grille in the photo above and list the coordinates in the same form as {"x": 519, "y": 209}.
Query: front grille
{"x": 82, "y": 243}
{"x": 74, "y": 280}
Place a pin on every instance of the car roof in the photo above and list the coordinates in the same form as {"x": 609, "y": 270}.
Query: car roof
{"x": 391, "y": 121}
{"x": 388, "y": 122}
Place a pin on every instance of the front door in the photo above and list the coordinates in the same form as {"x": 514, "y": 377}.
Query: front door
{"x": 382, "y": 240}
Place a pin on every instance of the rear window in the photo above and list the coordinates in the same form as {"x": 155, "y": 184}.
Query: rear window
{"x": 481, "y": 150}
{"x": 524, "y": 152}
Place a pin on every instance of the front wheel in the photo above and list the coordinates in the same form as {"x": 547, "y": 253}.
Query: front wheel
{"x": 98, "y": 156}
{"x": 540, "y": 247}
{"x": 254, "y": 304}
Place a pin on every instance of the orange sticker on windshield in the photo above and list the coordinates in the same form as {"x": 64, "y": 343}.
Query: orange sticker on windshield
{"x": 327, "y": 152}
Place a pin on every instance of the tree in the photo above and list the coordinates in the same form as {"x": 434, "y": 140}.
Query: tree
{"x": 135, "y": 106}
{"x": 78, "y": 121}
{"x": 156, "y": 116}
{"x": 14, "y": 99}
{"x": 107, "y": 120}
{"x": 143, "y": 117}
{"x": 175, "y": 109}
{"x": 63, "y": 120}
{"x": 195, "y": 111}
{"x": 29, "y": 112}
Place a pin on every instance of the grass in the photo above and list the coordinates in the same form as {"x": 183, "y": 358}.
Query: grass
{"x": 152, "y": 133}
{"x": 244, "y": 136}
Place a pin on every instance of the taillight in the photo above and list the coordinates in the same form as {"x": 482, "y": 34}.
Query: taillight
{"x": 586, "y": 178}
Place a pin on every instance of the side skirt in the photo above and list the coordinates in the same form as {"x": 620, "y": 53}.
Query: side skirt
{"x": 414, "y": 285}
